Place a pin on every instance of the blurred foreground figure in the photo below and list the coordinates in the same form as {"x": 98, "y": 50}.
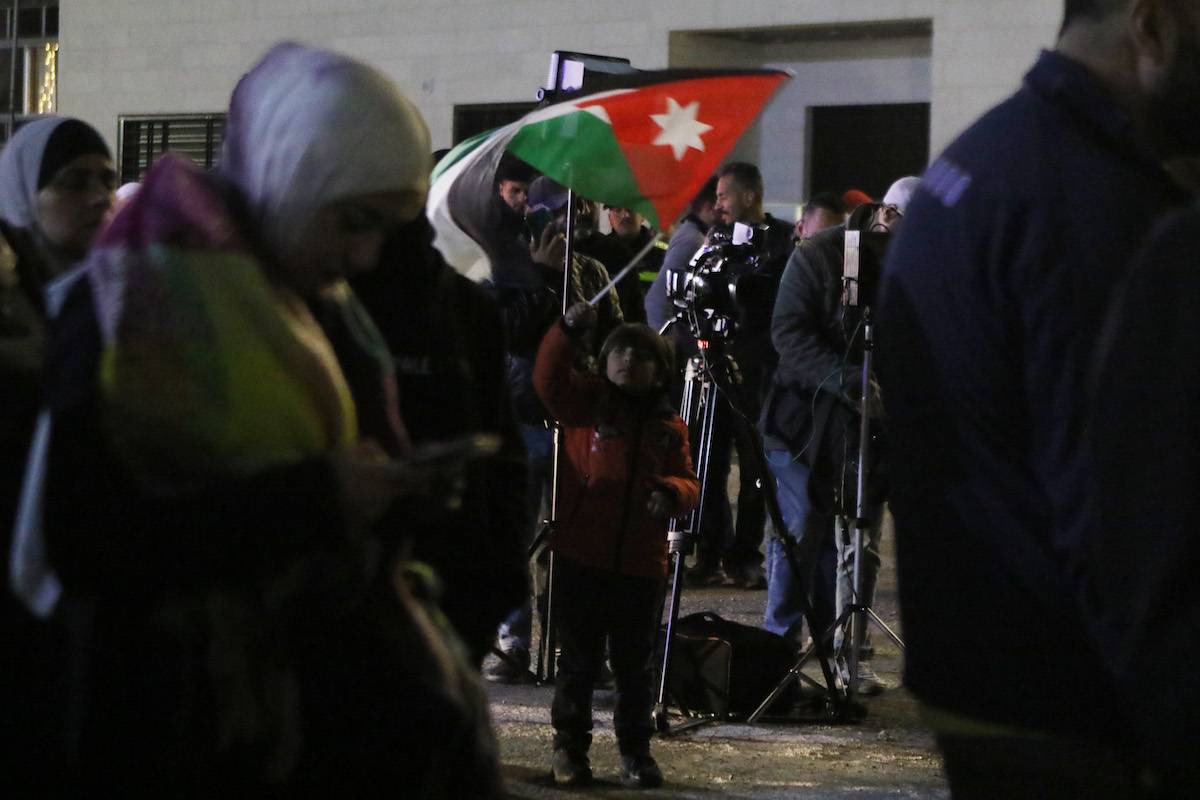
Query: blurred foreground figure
{"x": 447, "y": 342}
{"x": 1142, "y": 565}
{"x": 56, "y": 185}
{"x": 218, "y": 464}
{"x": 993, "y": 297}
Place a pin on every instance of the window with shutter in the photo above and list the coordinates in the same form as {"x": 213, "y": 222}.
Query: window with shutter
{"x": 141, "y": 139}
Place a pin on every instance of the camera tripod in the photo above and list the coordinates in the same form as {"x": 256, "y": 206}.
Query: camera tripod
{"x": 705, "y": 374}
{"x": 854, "y": 618}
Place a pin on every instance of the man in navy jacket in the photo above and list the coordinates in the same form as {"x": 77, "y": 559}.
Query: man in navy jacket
{"x": 993, "y": 297}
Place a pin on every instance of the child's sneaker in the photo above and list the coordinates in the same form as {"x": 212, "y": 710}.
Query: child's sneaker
{"x": 640, "y": 772}
{"x": 572, "y": 768}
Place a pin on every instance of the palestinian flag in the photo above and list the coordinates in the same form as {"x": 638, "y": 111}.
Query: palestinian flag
{"x": 649, "y": 146}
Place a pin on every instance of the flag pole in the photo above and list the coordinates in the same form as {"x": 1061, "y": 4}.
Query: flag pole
{"x": 654, "y": 240}
{"x": 546, "y": 644}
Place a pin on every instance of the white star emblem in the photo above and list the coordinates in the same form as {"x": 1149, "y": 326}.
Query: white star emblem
{"x": 680, "y": 128}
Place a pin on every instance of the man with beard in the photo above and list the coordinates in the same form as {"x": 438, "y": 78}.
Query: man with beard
{"x": 993, "y": 297}
{"x": 726, "y": 547}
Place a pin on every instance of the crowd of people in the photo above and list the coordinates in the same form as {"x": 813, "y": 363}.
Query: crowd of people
{"x": 242, "y": 562}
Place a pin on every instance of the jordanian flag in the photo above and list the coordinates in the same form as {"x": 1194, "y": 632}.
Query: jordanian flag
{"x": 647, "y": 147}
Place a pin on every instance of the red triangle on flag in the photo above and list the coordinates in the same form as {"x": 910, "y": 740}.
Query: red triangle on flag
{"x": 674, "y": 135}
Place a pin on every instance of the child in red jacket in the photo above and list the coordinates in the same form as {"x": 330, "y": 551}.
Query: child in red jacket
{"x": 626, "y": 471}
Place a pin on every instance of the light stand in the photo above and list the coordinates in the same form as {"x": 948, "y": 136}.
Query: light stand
{"x": 546, "y": 663}
{"x": 857, "y": 614}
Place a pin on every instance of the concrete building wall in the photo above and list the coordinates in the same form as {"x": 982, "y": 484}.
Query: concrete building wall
{"x": 175, "y": 56}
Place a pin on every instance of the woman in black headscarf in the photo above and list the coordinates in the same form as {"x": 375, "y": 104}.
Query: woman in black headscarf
{"x": 56, "y": 185}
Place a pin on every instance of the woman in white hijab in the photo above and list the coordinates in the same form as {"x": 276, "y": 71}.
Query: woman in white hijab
{"x": 211, "y": 491}
{"x": 56, "y": 179}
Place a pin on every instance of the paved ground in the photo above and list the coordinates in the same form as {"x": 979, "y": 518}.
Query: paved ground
{"x": 887, "y": 755}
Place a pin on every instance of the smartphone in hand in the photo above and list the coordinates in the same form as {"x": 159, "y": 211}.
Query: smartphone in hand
{"x": 536, "y": 222}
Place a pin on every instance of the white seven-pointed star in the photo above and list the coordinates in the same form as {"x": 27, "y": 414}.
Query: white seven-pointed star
{"x": 680, "y": 128}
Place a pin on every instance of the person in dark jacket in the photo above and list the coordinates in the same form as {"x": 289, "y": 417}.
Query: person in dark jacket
{"x": 447, "y": 344}
{"x": 1140, "y": 567}
{"x": 628, "y": 237}
{"x": 810, "y": 425}
{"x": 56, "y": 186}
{"x": 626, "y": 471}
{"x": 993, "y": 297}
{"x": 528, "y": 287}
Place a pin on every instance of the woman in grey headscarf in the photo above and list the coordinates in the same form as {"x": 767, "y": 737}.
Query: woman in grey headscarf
{"x": 211, "y": 487}
{"x": 56, "y": 180}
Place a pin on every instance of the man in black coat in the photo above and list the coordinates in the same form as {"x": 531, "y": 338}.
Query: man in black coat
{"x": 810, "y": 425}
{"x": 447, "y": 343}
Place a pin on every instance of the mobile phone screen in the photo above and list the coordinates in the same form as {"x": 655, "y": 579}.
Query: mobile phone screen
{"x": 537, "y": 221}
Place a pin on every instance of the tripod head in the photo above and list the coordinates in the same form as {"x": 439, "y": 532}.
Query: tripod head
{"x": 706, "y": 294}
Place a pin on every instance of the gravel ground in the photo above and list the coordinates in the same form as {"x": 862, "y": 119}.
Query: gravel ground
{"x": 889, "y": 754}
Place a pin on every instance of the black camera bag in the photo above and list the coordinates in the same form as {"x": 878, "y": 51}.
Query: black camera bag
{"x": 727, "y": 669}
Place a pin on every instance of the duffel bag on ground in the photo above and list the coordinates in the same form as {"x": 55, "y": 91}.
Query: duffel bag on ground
{"x": 725, "y": 668}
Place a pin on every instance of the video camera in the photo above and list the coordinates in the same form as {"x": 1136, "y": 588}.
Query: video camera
{"x": 719, "y": 281}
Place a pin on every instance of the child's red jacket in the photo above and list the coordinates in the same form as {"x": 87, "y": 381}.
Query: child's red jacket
{"x": 617, "y": 450}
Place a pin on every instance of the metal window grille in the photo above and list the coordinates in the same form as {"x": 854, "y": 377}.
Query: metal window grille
{"x": 142, "y": 139}
{"x": 28, "y": 61}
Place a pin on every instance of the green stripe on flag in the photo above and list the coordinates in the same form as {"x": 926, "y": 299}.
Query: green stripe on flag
{"x": 579, "y": 150}
{"x": 458, "y": 151}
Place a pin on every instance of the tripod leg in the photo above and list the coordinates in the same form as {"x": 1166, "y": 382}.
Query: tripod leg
{"x": 546, "y": 644}
{"x": 834, "y": 692}
{"x": 796, "y": 672}
{"x": 660, "y": 707}
{"x": 883, "y": 626}
{"x": 858, "y": 633}
{"x": 698, "y": 390}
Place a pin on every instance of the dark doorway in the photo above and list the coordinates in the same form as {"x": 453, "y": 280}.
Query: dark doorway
{"x": 477, "y": 118}
{"x": 866, "y": 147}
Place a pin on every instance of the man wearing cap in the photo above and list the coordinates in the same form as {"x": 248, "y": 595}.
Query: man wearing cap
{"x": 853, "y": 198}
{"x": 809, "y": 422}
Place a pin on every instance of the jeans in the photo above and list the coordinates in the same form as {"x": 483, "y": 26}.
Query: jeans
{"x": 825, "y": 554}
{"x": 814, "y": 551}
{"x": 516, "y": 629}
